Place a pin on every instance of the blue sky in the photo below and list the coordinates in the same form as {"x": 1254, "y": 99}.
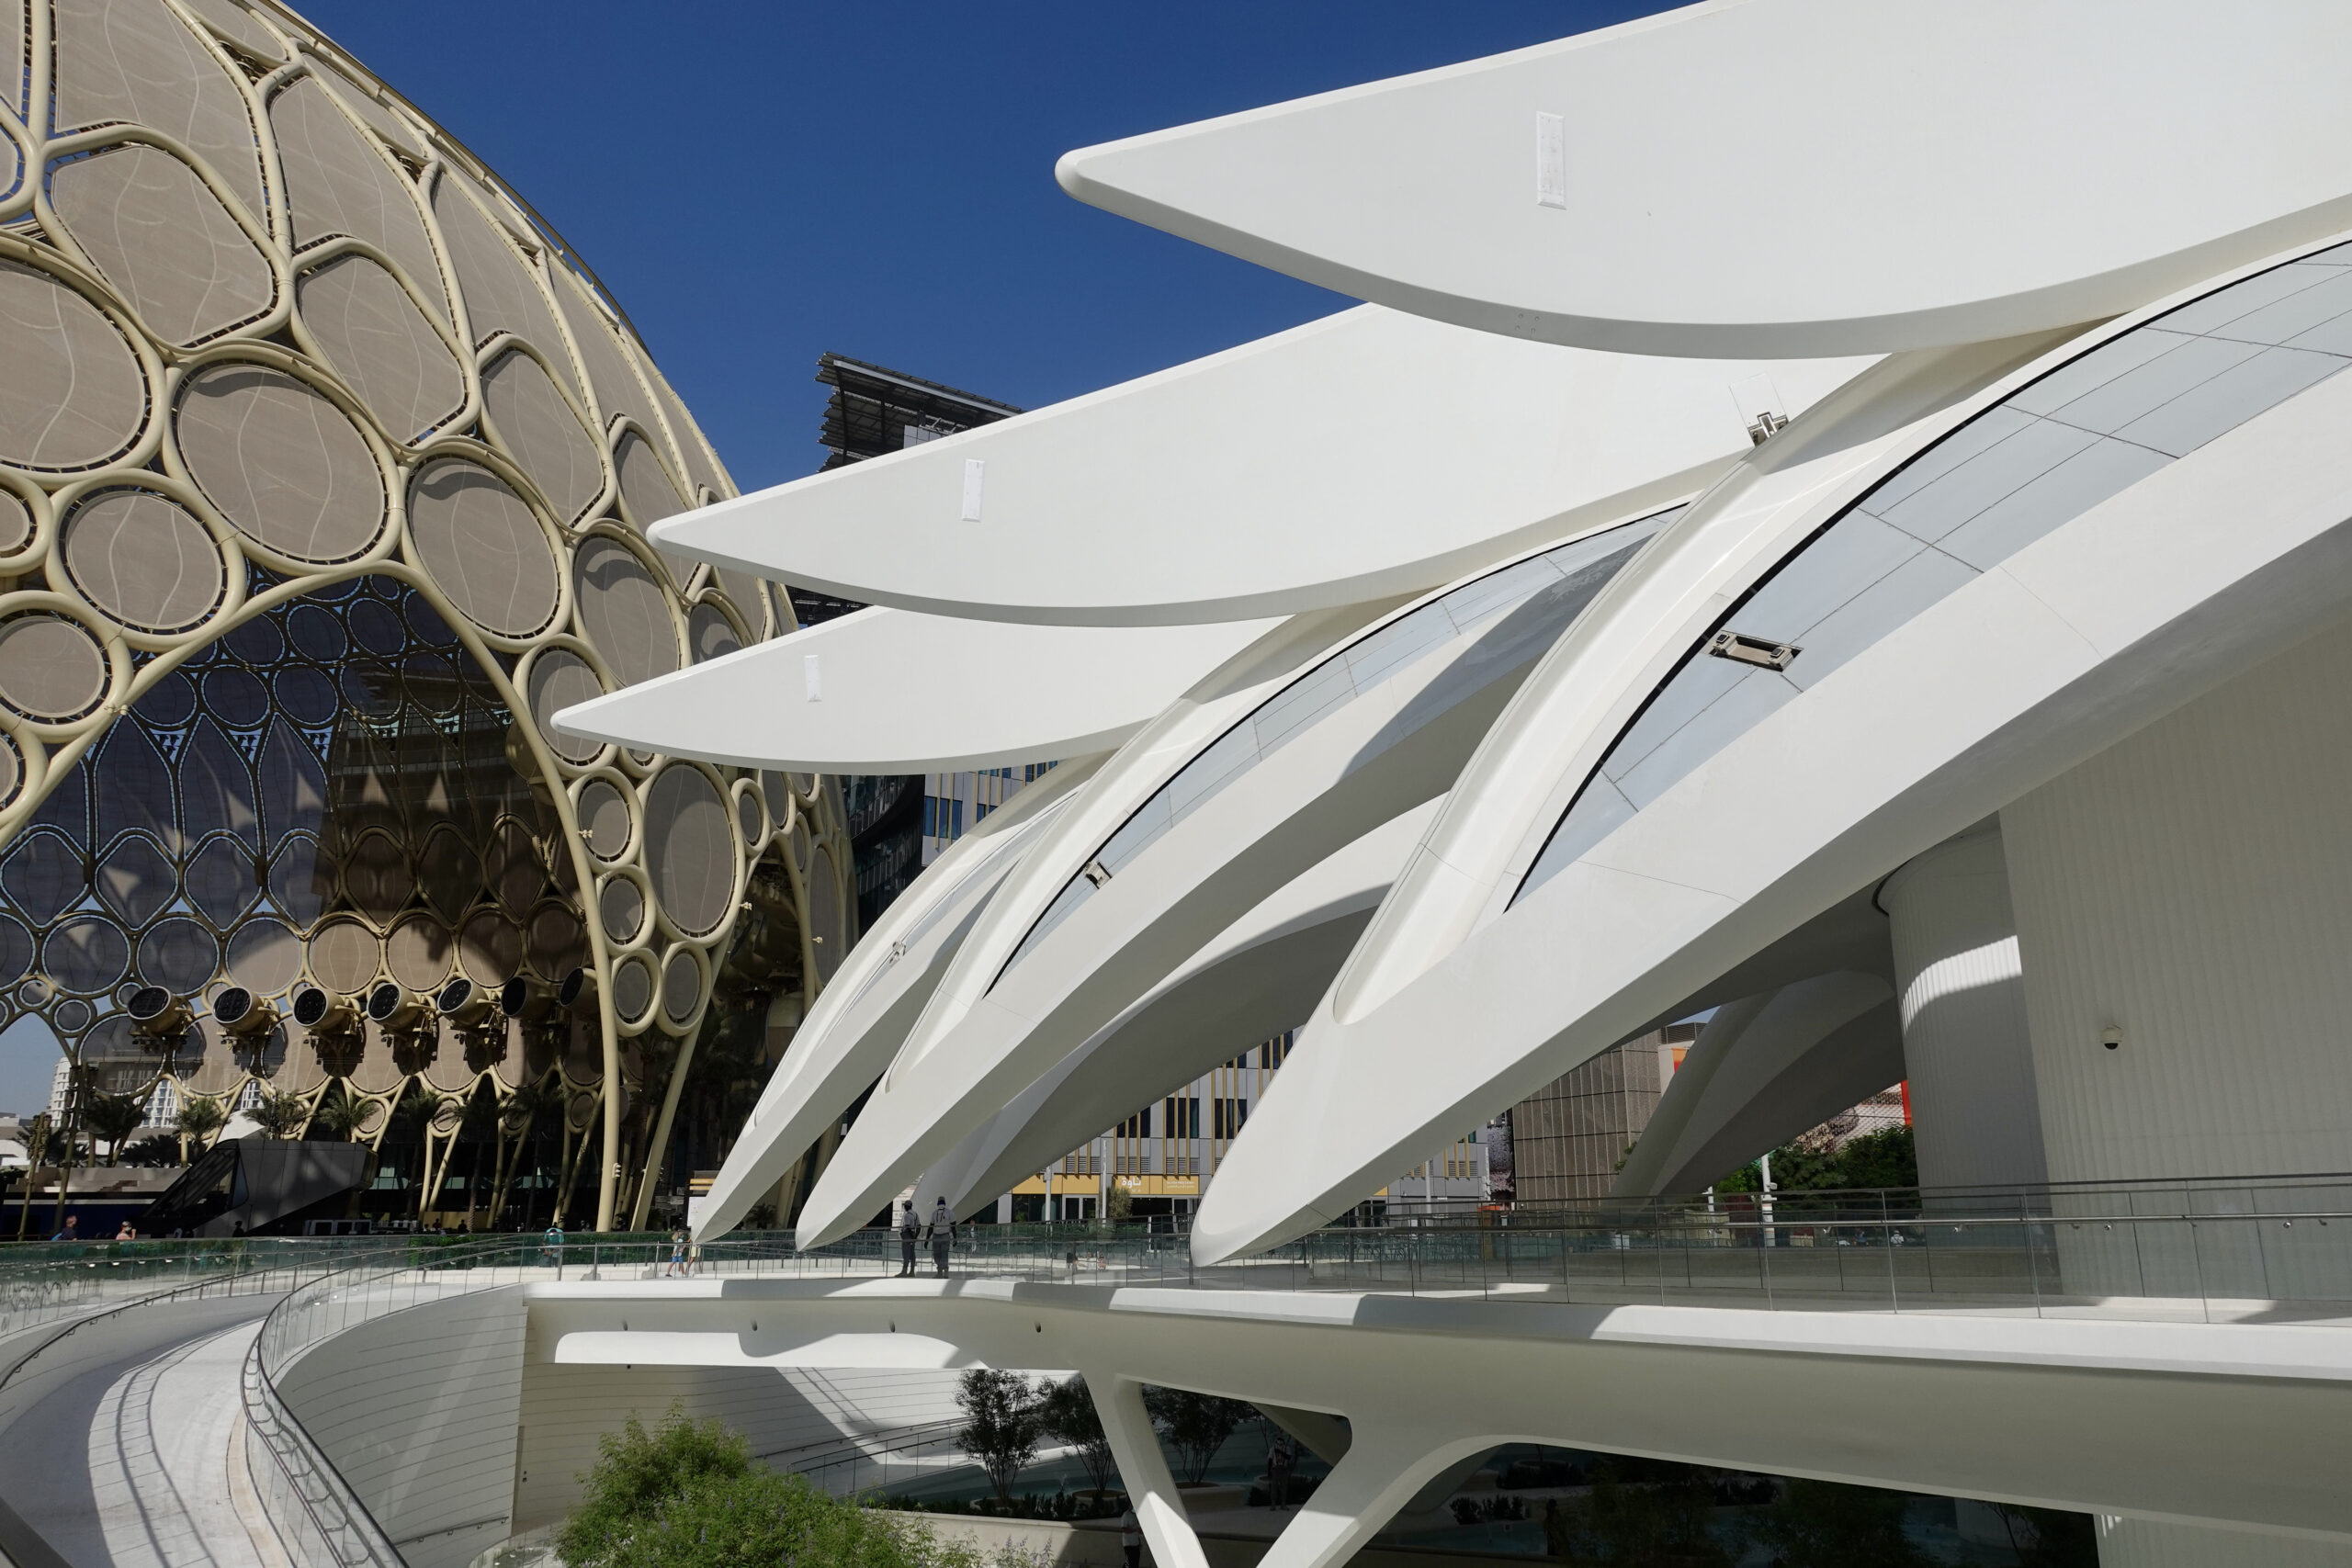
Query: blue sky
{"x": 762, "y": 181}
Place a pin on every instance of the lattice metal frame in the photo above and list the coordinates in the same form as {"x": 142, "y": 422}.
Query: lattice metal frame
{"x": 93, "y": 626}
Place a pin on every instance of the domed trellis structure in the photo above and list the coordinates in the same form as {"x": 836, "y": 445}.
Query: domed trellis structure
{"x": 324, "y": 472}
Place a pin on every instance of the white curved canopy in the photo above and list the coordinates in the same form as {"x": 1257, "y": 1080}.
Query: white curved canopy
{"x": 1363, "y": 456}
{"x": 860, "y": 1019}
{"x": 1261, "y": 975}
{"x": 886, "y": 691}
{"x": 1374, "y": 729}
{"x": 2102, "y": 624}
{"x": 1768, "y": 177}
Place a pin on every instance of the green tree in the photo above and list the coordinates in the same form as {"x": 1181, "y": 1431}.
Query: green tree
{"x": 280, "y": 1115}
{"x": 1195, "y": 1425}
{"x": 2049, "y": 1538}
{"x": 1066, "y": 1412}
{"x": 688, "y": 1495}
{"x": 199, "y": 1119}
{"x": 1001, "y": 1425}
{"x": 1887, "y": 1157}
{"x": 1819, "y": 1524}
{"x": 340, "y": 1114}
{"x": 113, "y": 1118}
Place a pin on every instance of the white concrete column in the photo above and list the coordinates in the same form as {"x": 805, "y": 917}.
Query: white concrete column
{"x": 1966, "y": 1049}
{"x": 1384, "y": 1468}
{"x": 1151, "y": 1490}
{"x": 2141, "y": 1543}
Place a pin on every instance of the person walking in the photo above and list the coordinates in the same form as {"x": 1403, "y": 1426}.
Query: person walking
{"x": 1278, "y": 1468}
{"x": 942, "y": 1232}
{"x": 553, "y": 1245}
{"x": 909, "y": 1232}
{"x": 677, "y": 1256}
{"x": 1131, "y": 1537}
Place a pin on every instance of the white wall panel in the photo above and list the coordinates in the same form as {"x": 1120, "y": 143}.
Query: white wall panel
{"x": 417, "y": 1411}
{"x": 2191, "y": 886}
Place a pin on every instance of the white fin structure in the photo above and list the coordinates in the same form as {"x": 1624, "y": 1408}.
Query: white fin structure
{"x": 2000, "y": 588}
{"x": 878, "y": 702}
{"x": 1257, "y": 978}
{"x": 1381, "y": 724}
{"x": 1786, "y": 178}
{"x": 1763, "y": 1070}
{"x": 860, "y": 1020}
{"x": 1326, "y": 466}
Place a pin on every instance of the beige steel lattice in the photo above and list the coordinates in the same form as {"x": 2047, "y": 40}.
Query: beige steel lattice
{"x": 205, "y": 185}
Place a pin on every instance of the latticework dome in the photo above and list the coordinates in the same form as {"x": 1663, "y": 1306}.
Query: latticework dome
{"x": 324, "y": 472}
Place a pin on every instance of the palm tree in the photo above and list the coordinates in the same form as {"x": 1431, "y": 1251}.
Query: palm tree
{"x": 39, "y": 1134}
{"x": 280, "y": 1115}
{"x": 114, "y": 1117}
{"x": 341, "y": 1114}
{"x": 199, "y": 1118}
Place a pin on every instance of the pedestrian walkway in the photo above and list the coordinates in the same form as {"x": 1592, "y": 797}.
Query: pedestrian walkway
{"x": 139, "y": 1464}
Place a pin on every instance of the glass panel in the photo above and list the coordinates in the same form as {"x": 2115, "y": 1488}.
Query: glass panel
{"x": 2045, "y": 455}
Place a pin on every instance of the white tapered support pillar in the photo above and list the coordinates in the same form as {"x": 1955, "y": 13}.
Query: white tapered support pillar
{"x": 1151, "y": 1490}
{"x": 1382, "y": 1470}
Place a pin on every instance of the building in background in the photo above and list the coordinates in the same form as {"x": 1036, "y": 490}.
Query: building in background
{"x": 1568, "y": 1137}
{"x": 874, "y": 410}
{"x": 325, "y": 472}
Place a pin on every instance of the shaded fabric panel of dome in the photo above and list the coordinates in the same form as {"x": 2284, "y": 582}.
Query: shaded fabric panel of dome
{"x": 234, "y": 22}
{"x": 646, "y": 486}
{"x": 560, "y": 679}
{"x": 611, "y": 376}
{"x": 52, "y": 669}
{"x": 165, "y": 241}
{"x": 689, "y": 848}
{"x": 280, "y": 461}
{"x": 624, "y": 611}
{"x": 483, "y": 547}
{"x": 531, "y": 420}
{"x": 337, "y": 183}
{"x": 132, "y": 59}
{"x": 502, "y": 294}
{"x": 136, "y": 880}
{"x": 16, "y": 524}
{"x": 372, "y": 333}
{"x": 136, "y": 789}
{"x": 142, "y": 559}
{"x": 75, "y": 396}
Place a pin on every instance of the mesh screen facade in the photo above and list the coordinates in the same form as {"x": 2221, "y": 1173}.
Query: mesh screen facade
{"x": 324, "y": 472}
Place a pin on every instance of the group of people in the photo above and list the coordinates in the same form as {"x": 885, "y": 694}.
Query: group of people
{"x": 911, "y": 1231}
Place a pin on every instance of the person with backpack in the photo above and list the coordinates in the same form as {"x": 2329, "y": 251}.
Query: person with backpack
{"x": 942, "y": 1232}
{"x": 909, "y": 1232}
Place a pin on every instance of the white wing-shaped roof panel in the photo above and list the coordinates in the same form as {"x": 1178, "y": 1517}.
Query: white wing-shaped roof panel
{"x": 861, "y": 1018}
{"x": 1367, "y": 455}
{"x": 1771, "y": 177}
{"x": 2102, "y": 624}
{"x": 883, "y": 692}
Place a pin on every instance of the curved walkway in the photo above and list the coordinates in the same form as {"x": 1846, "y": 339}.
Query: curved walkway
{"x": 139, "y": 1462}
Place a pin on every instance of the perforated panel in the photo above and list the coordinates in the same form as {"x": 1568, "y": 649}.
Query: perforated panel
{"x": 73, "y": 397}
{"x": 132, "y": 59}
{"x": 483, "y": 547}
{"x": 624, "y": 611}
{"x": 605, "y": 817}
{"x": 165, "y": 241}
{"x": 49, "y": 667}
{"x": 16, "y": 524}
{"x": 689, "y": 851}
{"x": 709, "y": 634}
{"x": 336, "y": 183}
{"x": 234, "y": 21}
{"x": 373, "y": 333}
{"x": 142, "y": 560}
{"x": 645, "y": 488}
{"x": 280, "y": 461}
{"x": 501, "y": 293}
{"x": 531, "y": 420}
{"x": 558, "y": 681}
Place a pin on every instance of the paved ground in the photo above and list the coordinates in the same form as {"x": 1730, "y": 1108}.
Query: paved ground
{"x": 128, "y": 1465}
